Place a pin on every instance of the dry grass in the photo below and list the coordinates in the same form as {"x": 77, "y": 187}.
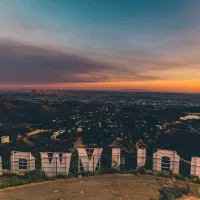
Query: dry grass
{"x": 104, "y": 187}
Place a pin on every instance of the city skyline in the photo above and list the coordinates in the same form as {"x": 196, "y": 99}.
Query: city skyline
{"x": 100, "y": 45}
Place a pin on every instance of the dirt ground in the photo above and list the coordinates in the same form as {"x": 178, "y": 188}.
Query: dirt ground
{"x": 104, "y": 187}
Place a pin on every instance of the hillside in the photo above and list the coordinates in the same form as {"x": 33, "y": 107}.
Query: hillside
{"x": 156, "y": 123}
{"x": 104, "y": 187}
{"x": 7, "y": 111}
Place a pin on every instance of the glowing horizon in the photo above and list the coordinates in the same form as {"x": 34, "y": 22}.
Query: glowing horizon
{"x": 147, "y": 86}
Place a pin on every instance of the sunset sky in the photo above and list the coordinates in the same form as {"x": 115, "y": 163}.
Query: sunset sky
{"x": 150, "y": 45}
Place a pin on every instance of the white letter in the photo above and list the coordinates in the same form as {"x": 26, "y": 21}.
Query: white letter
{"x": 195, "y": 166}
{"x": 55, "y": 163}
{"x": 166, "y": 160}
{"x": 89, "y": 165}
{"x": 22, "y": 162}
{"x": 116, "y": 157}
{"x": 0, "y": 166}
{"x": 141, "y": 157}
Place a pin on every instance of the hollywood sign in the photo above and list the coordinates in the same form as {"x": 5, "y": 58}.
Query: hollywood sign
{"x": 59, "y": 163}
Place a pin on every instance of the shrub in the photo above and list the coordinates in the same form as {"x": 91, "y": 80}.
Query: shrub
{"x": 72, "y": 174}
{"x": 148, "y": 172}
{"x": 134, "y": 171}
{"x": 165, "y": 195}
{"x": 36, "y": 175}
{"x": 126, "y": 171}
{"x": 10, "y": 175}
{"x": 7, "y": 182}
{"x": 195, "y": 179}
{"x": 188, "y": 189}
{"x": 141, "y": 170}
{"x": 17, "y": 182}
{"x": 163, "y": 174}
{"x": 178, "y": 176}
{"x": 83, "y": 173}
{"x": 174, "y": 192}
{"x": 109, "y": 171}
{"x": 4, "y": 182}
{"x": 61, "y": 176}
{"x": 166, "y": 174}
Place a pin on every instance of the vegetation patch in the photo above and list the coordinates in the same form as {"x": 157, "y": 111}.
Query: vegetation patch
{"x": 176, "y": 192}
{"x": 109, "y": 171}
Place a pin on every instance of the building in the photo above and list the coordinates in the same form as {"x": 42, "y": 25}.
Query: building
{"x": 79, "y": 130}
{"x": 5, "y": 139}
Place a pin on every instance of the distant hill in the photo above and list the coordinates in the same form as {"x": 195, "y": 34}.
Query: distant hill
{"x": 7, "y": 111}
{"x": 25, "y": 112}
{"x": 136, "y": 90}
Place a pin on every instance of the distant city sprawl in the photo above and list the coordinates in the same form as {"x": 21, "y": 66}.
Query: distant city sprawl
{"x": 50, "y": 120}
